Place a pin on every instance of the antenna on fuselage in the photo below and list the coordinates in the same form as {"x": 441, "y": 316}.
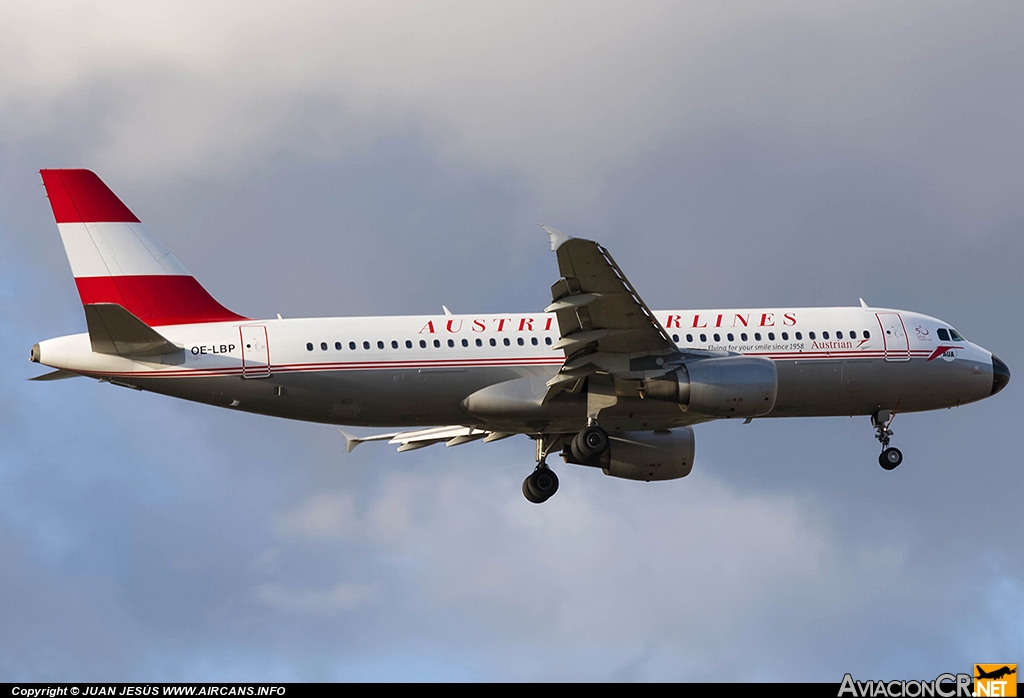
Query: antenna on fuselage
{"x": 862, "y": 303}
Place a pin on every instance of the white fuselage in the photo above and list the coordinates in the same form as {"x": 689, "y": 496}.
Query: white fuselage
{"x": 417, "y": 370}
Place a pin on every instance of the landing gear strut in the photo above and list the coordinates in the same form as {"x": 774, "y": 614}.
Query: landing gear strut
{"x": 890, "y": 458}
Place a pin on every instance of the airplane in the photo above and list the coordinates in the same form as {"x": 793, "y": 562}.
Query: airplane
{"x": 597, "y": 377}
{"x": 996, "y": 674}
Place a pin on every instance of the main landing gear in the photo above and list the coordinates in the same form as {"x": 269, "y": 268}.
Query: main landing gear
{"x": 890, "y": 458}
{"x": 586, "y": 447}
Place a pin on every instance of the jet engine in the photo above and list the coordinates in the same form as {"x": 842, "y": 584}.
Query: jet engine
{"x": 730, "y": 386}
{"x": 645, "y": 455}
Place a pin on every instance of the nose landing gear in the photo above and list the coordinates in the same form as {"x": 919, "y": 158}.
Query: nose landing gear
{"x": 890, "y": 458}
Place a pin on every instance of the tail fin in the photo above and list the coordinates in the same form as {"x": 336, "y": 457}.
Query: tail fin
{"x": 115, "y": 259}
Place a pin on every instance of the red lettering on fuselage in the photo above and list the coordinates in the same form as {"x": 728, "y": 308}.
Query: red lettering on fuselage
{"x": 479, "y": 324}
{"x": 448, "y": 326}
{"x": 428, "y": 328}
{"x": 526, "y": 324}
{"x": 673, "y": 320}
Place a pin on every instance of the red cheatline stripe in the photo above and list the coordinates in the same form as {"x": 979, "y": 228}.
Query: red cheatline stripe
{"x": 79, "y": 196}
{"x": 156, "y": 300}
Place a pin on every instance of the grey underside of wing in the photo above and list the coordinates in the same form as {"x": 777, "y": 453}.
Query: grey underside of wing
{"x": 605, "y": 326}
{"x": 596, "y": 304}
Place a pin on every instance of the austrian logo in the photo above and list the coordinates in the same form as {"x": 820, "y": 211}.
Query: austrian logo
{"x": 995, "y": 679}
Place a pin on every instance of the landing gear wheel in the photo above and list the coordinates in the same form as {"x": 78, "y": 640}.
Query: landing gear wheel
{"x": 540, "y": 485}
{"x": 589, "y": 444}
{"x": 890, "y": 458}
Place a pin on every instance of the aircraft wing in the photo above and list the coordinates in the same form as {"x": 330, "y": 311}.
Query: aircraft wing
{"x": 605, "y": 325}
{"x": 421, "y": 438}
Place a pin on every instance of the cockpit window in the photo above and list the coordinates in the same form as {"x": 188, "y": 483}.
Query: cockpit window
{"x": 955, "y": 336}
{"x": 943, "y": 335}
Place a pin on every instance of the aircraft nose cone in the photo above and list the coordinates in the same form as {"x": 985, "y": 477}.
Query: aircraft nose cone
{"x": 1000, "y": 375}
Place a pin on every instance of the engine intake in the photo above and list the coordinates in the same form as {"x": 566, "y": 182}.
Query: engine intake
{"x": 731, "y": 386}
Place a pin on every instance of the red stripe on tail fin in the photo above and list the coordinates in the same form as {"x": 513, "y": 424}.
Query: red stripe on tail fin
{"x": 156, "y": 300}
{"x": 79, "y": 196}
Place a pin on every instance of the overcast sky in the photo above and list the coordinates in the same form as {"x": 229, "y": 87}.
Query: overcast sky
{"x": 367, "y": 158}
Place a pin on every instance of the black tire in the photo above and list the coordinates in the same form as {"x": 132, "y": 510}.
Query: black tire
{"x": 589, "y": 444}
{"x": 528, "y": 494}
{"x": 542, "y": 483}
{"x": 890, "y": 458}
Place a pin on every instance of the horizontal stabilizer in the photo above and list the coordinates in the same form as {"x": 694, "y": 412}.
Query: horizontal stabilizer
{"x": 59, "y": 374}
{"x": 114, "y": 330}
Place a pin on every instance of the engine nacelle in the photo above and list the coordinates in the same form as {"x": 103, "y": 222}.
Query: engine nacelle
{"x": 645, "y": 455}
{"x": 731, "y": 386}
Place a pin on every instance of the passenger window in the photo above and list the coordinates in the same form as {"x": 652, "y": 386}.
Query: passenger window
{"x": 689, "y": 338}
{"x": 718, "y": 337}
{"x": 704, "y": 338}
{"x": 366, "y": 345}
{"x": 352, "y": 345}
{"x": 309, "y": 346}
{"x": 323, "y": 346}
{"x": 547, "y": 340}
{"x": 337, "y": 346}
{"x": 533, "y": 341}
{"x": 785, "y": 335}
{"x": 520, "y": 341}
{"x": 465, "y": 342}
{"x": 743, "y": 336}
{"x": 824, "y": 335}
{"x": 437, "y": 343}
{"x": 675, "y": 338}
{"x": 729, "y": 336}
{"x": 423, "y": 344}
{"x": 408, "y": 344}
{"x": 380, "y": 344}
{"x": 853, "y": 334}
{"x": 811, "y": 335}
{"x": 507, "y": 342}
{"x": 479, "y": 342}
{"x": 943, "y": 335}
{"x": 493, "y": 342}
{"x": 839, "y": 334}
{"x": 955, "y": 336}
{"x": 451, "y": 343}
{"x": 394, "y": 344}
{"x": 771, "y": 336}
{"x": 799, "y": 335}
{"x": 757, "y": 336}
{"x": 867, "y": 335}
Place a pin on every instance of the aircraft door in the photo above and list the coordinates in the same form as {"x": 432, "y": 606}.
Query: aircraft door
{"x": 255, "y": 351}
{"x": 894, "y": 337}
